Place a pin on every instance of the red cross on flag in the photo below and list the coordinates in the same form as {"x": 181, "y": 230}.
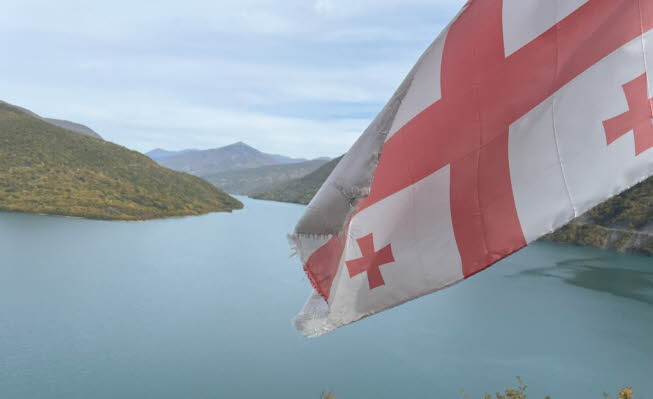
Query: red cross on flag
{"x": 522, "y": 115}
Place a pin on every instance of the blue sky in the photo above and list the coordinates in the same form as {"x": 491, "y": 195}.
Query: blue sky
{"x": 298, "y": 77}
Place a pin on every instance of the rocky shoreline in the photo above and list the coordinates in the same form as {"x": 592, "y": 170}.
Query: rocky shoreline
{"x": 584, "y": 231}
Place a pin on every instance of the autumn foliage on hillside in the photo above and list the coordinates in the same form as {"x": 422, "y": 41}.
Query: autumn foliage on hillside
{"x": 50, "y": 170}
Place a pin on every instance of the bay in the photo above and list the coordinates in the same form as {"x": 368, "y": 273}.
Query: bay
{"x": 200, "y": 307}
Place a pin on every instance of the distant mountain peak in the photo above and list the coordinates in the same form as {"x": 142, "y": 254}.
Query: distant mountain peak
{"x": 239, "y": 144}
{"x": 216, "y": 160}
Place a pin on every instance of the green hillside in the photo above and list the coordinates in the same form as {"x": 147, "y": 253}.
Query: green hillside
{"x": 47, "y": 169}
{"x": 632, "y": 209}
{"x": 623, "y": 223}
{"x": 301, "y": 190}
{"x": 250, "y": 181}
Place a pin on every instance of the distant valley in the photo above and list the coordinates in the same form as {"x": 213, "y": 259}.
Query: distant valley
{"x": 253, "y": 181}
{"x": 299, "y": 190}
{"x": 238, "y": 168}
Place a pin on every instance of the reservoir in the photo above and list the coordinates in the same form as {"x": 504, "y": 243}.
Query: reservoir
{"x": 200, "y": 307}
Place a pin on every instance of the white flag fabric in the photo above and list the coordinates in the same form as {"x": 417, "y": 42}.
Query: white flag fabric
{"x": 522, "y": 115}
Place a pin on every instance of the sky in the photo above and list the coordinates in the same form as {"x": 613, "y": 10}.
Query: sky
{"x": 302, "y": 78}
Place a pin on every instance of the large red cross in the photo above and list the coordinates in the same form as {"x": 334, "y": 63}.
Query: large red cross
{"x": 483, "y": 93}
{"x": 638, "y": 119}
{"x": 370, "y": 261}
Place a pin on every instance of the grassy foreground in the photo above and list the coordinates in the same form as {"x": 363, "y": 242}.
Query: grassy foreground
{"x": 51, "y": 170}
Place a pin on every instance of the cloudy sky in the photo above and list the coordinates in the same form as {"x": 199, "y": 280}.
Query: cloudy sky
{"x": 297, "y": 77}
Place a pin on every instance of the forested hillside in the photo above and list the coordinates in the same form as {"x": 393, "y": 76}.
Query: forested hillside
{"x": 301, "y": 190}
{"x": 623, "y": 223}
{"x": 48, "y": 169}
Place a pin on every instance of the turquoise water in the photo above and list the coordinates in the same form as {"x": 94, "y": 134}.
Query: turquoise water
{"x": 199, "y": 307}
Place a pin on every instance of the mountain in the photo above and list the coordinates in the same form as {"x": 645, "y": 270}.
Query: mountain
{"x": 300, "y": 190}
{"x": 75, "y": 127}
{"x": 249, "y": 181}
{"x": 210, "y": 162}
{"x": 623, "y": 223}
{"x": 47, "y": 169}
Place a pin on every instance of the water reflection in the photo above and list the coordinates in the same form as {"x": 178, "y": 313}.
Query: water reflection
{"x": 594, "y": 274}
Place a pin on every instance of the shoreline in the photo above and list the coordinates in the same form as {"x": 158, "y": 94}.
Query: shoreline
{"x": 114, "y": 220}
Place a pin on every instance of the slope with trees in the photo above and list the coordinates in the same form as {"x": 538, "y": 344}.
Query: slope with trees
{"x": 48, "y": 169}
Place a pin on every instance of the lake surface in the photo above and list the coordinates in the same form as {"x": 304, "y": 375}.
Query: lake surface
{"x": 200, "y": 307}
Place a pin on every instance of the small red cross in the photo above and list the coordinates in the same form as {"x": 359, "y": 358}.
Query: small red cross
{"x": 371, "y": 261}
{"x": 638, "y": 119}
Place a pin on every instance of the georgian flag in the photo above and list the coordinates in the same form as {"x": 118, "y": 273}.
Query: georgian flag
{"x": 522, "y": 115}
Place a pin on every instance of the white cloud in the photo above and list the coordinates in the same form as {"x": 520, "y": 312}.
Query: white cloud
{"x": 295, "y": 77}
{"x": 143, "y": 121}
{"x": 323, "y": 7}
{"x": 350, "y": 9}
